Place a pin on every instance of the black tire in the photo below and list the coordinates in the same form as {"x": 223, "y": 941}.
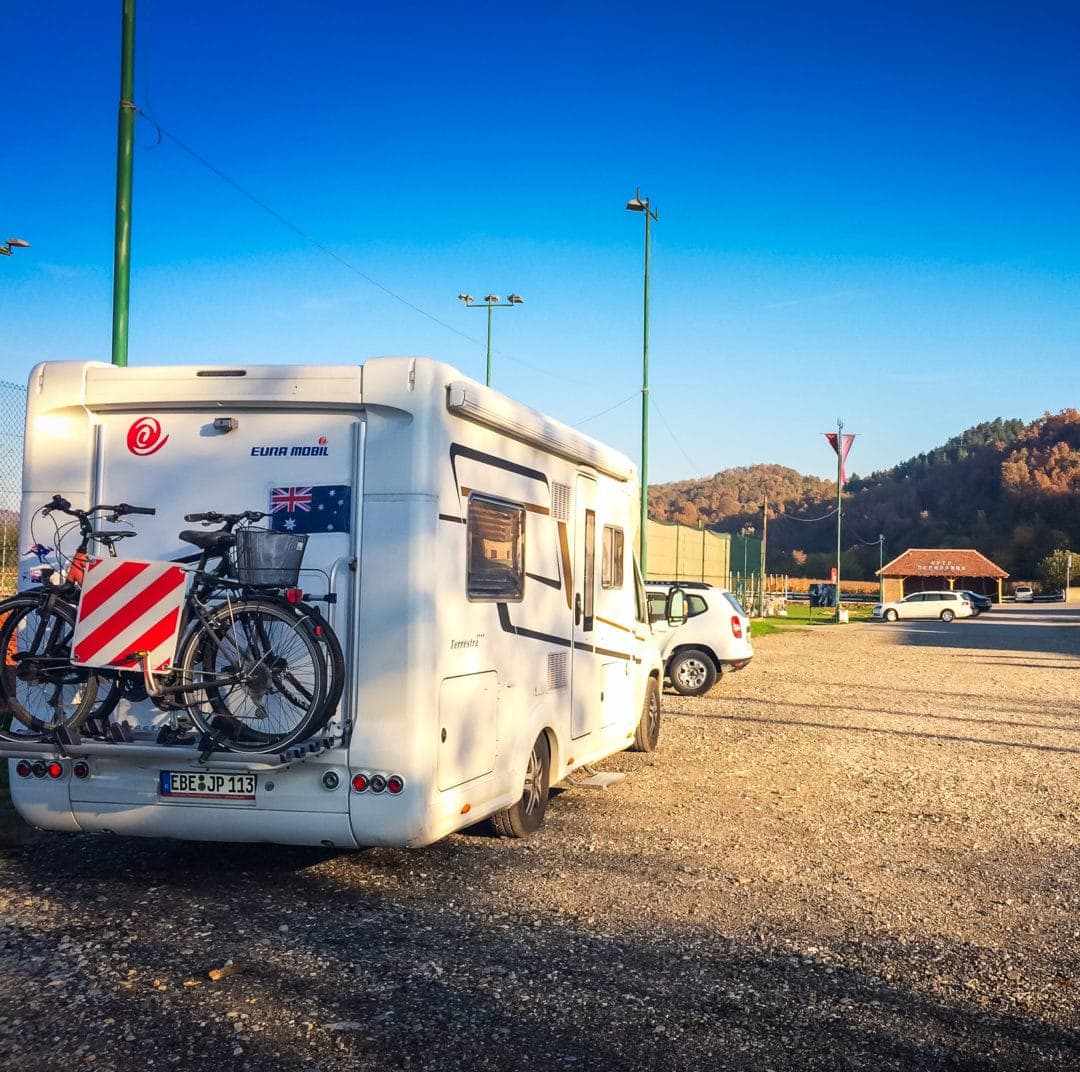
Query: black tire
{"x": 947, "y": 615}
{"x": 264, "y": 680}
{"x": 647, "y": 734}
{"x": 526, "y": 815}
{"x": 891, "y": 615}
{"x": 40, "y": 690}
{"x": 692, "y": 672}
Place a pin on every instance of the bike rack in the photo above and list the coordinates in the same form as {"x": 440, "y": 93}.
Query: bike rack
{"x": 68, "y": 744}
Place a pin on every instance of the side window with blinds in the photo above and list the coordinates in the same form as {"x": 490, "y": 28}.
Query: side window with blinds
{"x": 611, "y": 570}
{"x": 495, "y": 538}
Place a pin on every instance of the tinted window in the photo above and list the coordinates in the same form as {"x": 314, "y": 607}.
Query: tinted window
{"x": 495, "y": 537}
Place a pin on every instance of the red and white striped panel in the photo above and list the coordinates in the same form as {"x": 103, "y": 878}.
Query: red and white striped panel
{"x": 128, "y": 606}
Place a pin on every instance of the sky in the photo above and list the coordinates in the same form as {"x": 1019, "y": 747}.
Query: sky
{"x": 867, "y": 212}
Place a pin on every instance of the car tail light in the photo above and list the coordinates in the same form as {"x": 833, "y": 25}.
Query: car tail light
{"x": 81, "y": 769}
{"x": 23, "y": 768}
{"x": 359, "y": 783}
{"x": 378, "y": 783}
{"x": 394, "y": 784}
{"x": 736, "y": 627}
{"x": 39, "y": 768}
{"x": 55, "y": 769}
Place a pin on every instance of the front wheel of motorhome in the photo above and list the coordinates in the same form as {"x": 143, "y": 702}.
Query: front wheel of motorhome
{"x": 524, "y": 818}
{"x": 647, "y": 735}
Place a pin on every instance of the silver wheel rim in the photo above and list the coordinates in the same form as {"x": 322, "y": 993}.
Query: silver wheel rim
{"x": 692, "y": 673}
{"x": 534, "y": 777}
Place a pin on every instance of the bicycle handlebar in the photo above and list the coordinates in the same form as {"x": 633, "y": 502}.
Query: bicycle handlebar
{"x": 212, "y": 517}
{"x": 58, "y": 502}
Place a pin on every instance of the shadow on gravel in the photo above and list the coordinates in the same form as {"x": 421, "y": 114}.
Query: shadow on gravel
{"x": 847, "y": 727}
{"x": 388, "y": 960}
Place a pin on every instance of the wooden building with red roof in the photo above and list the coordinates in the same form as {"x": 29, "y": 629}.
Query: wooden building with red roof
{"x": 935, "y": 569}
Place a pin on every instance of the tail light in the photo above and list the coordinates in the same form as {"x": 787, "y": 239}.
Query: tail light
{"x": 55, "y": 769}
{"x": 736, "y": 627}
{"x": 23, "y": 768}
{"x": 294, "y": 595}
{"x": 81, "y": 769}
{"x": 359, "y": 783}
{"x": 394, "y": 784}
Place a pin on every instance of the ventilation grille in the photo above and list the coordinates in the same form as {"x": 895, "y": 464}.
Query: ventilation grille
{"x": 560, "y": 502}
{"x": 558, "y": 663}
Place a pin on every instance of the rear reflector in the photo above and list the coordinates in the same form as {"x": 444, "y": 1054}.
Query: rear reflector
{"x": 359, "y": 783}
{"x": 23, "y": 768}
{"x": 55, "y": 769}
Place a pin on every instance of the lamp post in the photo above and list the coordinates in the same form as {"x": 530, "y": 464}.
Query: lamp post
{"x": 881, "y": 566}
{"x": 13, "y": 243}
{"x": 745, "y": 532}
{"x": 639, "y": 204}
{"x": 492, "y": 301}
{"x": 125, "y": 150}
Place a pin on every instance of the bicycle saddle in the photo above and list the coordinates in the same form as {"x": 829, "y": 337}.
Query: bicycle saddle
{"x": 215, "y": 542}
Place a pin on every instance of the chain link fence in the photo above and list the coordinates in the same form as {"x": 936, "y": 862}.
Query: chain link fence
{"x": 12, "y": 430}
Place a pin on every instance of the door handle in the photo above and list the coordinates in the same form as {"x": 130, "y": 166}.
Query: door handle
{"x": 577, "y": 609}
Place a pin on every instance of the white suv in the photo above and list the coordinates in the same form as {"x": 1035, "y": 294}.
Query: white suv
{"x": 713, "y": 637}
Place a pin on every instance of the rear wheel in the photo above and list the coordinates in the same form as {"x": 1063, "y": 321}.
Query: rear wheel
{"x": 947, "y": 615}
{"x": 526, "y": 815}
{"x": 256, "y": 669}
{"x": 647, "y": 734}
{"x": 692, "y": 672}
{"x": 891, "y": 616}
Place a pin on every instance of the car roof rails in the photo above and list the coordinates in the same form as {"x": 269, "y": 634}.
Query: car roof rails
{"x": 682, "y": 584}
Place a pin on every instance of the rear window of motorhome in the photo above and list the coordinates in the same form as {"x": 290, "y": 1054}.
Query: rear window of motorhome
{"x": 495, "y": 535}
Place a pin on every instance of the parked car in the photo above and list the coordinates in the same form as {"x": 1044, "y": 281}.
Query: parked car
{"x": 978, "y": 601}
{"x": 943, "y": 605}
{"x": 1024, "y": 593}
{"x": 714, "y": 637}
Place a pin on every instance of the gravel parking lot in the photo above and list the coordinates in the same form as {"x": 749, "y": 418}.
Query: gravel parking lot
{"x": 861, "y": 852}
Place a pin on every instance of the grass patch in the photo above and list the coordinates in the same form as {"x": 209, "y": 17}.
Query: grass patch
{"x": 803, "y": 616}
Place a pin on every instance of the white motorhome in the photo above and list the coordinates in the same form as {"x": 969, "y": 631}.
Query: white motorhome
{"x": 492, "y": 616}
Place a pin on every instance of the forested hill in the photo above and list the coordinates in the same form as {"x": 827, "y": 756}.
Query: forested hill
{"x": 1011, "y": 490}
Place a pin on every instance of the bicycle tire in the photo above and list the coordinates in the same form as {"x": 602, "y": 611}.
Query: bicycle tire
{"x": 40, "y": 690}
{"x": 258, "y": 666}
{"x": 333, "y": 656}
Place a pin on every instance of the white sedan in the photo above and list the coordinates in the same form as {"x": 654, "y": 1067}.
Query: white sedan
{"x": 943, "y": 605}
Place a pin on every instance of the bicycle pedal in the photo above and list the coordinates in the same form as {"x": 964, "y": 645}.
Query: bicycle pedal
{"x": 96, "y": 727}
{"x": 120, "y": 732}
{"x": 66, "y": 736}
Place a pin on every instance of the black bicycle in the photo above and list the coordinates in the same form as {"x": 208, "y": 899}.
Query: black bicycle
{"x": 40, "y": 689}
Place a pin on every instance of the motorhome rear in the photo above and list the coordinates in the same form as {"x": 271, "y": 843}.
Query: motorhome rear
{"x": 488, "y": 603}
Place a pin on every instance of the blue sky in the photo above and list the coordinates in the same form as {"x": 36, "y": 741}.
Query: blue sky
{"x": 867, "y": 211}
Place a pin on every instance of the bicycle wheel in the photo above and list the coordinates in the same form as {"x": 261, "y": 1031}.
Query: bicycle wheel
{"x": 40, "y": 690}
{"x": 257, "y": 664}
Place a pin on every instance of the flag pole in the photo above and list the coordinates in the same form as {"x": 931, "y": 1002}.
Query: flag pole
{"x": 839, "y": 500}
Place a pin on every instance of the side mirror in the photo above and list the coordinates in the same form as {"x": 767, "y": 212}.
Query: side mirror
{"x": 675, "y": 607}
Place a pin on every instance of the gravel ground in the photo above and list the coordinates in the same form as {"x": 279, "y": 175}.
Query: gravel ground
{"x": 861, "y": 852}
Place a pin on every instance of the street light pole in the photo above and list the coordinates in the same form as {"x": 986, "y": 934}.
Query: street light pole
{"x": 125, "y": 151}
{"x": 491, "y": 302}
{"x": 881, "y": 566}
{"x": 639, "y": 204}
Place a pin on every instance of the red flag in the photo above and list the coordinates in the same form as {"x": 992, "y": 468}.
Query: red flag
{"x": 847, "y": 441}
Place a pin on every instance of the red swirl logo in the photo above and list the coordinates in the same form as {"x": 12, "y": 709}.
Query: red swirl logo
{"x": 144, "y": 437}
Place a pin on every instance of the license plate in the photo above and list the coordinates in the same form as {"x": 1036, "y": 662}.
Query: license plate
{"x": 207, "y": 785}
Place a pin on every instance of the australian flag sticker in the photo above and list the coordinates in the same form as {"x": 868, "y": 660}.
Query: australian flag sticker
{"x": 313, "y": 508}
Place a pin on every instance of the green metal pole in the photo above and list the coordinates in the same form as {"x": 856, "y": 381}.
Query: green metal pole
{"x": 881, "y": 566}
{"x": 125, "y": 151}
{"x": 645, "y": 415}
{"x": 488, "y": 380}
{"x": 839, "y": 501}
